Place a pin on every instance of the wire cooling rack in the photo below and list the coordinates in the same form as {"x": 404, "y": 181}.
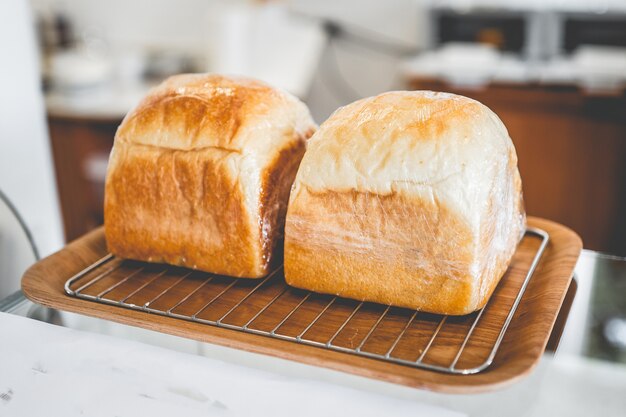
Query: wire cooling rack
{"x": 268, "y": 307}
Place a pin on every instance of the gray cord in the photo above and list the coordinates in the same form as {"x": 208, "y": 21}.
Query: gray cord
{"x": 22, "y": 223}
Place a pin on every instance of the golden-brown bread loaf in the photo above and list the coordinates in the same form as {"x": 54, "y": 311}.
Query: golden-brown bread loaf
{"x": 409, "y": 198}
{"x": 200, "y": 173}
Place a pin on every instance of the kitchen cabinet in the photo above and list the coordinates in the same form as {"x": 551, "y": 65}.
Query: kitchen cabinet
{"x": 80, "y": 147}
{"x": 571, "y": 149}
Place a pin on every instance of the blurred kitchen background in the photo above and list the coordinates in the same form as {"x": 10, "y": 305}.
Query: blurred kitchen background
{"x": 553, "y": 70}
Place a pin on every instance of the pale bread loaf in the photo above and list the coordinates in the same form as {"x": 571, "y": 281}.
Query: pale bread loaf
{"x": 409, "y": 198}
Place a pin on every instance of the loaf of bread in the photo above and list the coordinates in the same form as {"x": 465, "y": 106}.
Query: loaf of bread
{"x": 200, "y": 174}
{"x": 411, "y": 199}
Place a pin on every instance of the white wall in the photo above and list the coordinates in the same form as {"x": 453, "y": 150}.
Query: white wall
{"x": 26, "y": 174}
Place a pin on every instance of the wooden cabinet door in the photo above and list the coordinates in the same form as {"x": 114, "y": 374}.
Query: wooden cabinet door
{"x": 75, "y": 143}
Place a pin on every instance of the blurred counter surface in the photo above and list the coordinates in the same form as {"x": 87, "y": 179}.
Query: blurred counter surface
{"x": 586, "y": 376}
{"x": 595, "y": 70}
{"x": 100, "y": 103}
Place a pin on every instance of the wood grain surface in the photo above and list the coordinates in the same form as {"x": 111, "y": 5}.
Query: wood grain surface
{"x": 521, "y": 348}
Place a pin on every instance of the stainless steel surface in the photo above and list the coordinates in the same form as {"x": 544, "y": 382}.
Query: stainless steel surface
{"x": 599, "y": 311}
{"x": 19, "y": 305}
{"x": 452, "y": 368}
{"x": 15, "y": 303}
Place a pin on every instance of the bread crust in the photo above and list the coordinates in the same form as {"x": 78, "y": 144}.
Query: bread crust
{"x": 389, "y": 260}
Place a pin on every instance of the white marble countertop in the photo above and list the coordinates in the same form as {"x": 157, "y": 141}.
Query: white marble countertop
{"x": 75, "y": 372}
{"x": 56, "y": 371}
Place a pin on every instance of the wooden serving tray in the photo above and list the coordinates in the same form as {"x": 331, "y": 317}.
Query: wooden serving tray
{"x": 520, "y": 350}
